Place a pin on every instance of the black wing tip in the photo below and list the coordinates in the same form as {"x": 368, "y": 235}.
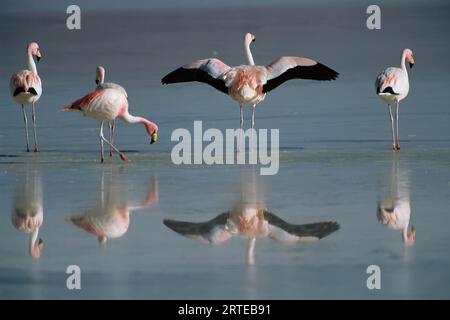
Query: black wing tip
{"x": 32, "y": 91}
{"x": 389, "y": 90}
{"x": 174, "y": 76}
{"x": 18, "y": 91}
{"x": 326, "y": 73}
{"x": 328, "y": 228}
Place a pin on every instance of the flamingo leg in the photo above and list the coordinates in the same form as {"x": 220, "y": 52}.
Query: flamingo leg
{"x": 397, "y": 146}
{"x": 392, "y": 127}
{"x": 112, "y": 127}
{"x": 102, "y": 138}
{"x": 33, "y": 108}
{"x": 242, "y": 117}
{"x": 251, "y": 251}
{"x": 25, "y": 120}
{"x": 102, "y": 150}
{"x": 253, "y": 115}
{"x": 241, "y": 126}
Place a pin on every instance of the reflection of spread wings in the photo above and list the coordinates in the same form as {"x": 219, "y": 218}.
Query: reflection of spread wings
{"x": 212, "y": 231}
{"x": 286, "y": 232}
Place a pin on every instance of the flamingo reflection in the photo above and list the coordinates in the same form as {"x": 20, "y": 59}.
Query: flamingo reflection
{"x": 250, "y": 219}
{"x": 28, "y": 213}
{"x": 394, "y": 207}
{"x": 111, "y": 217}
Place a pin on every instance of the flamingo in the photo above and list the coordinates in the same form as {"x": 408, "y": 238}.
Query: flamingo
{"x": 394, "y": 209}
{"x": 28, "y": 213}
{"x": 249, "y": 218}
{"x": 248, "y": 84}
{"x": 26, "y": 88}
{"x": 107, "y": 104}
{"x": 392, "y": 86}
{"x": 111, "y": 218}
{"x": 101, "y": 84}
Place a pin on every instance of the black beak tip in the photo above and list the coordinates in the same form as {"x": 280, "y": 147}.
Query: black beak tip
{"x": 411, "y": 65}
{"x": 38, "y": 59}
{"x": 96, "y": 81}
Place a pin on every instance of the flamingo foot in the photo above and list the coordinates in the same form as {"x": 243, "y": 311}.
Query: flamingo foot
{"x": 28, "y": 149}
{"x": 102, "y": 160}
{"x": 123, "y": 157}
{"x": 36, "y": 149}
{"x": 397, "y": 147}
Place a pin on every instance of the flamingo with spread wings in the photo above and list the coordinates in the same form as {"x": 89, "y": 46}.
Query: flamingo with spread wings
{"x": 249, "y": 84}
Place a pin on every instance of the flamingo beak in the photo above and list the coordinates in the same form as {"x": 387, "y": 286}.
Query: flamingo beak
{"x": 41, "y": 245}
{"x": 253, "y": 38}
{"x": 38, "y": 55}
{"x": 413, "y": 233}
{"x": 411, "y": 62}
{"x": 154, "y": 137}
{"x": 97, "y": 81}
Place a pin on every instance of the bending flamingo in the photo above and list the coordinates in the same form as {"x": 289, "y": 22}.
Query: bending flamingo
{"x": 107, "y": 105}
{"x": 26, "y": 88}
{"x": 111, "y": 218}
{"x": 392, "y": 86}
{"x": 100, "y": 81}
{"x": 248, "y": 84}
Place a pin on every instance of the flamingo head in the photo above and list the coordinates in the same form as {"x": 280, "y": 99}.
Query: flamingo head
{"x": 33, "y": 49}
{"x": 249, "y": 38}
{"x": 152, "y": 130}
{"x": 410, "y": 236}
{"x": 102, "y": 240}
{"x": 36, "y": 249}
{"x": 99, "y": 75}
{"x": 409, "y": 57}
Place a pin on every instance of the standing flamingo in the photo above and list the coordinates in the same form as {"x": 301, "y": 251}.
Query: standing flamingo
{"x": 28, "y": 211}
{"x": 394, "y": 207}
{"x": 26, "y": 88}
{"x": 107, "y": 104}
{"x": 101, "y": 84}
{"x": 248, "y": 84}
{"x": 392, "y": 86}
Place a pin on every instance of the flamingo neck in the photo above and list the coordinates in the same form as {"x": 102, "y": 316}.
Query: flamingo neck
{"x": 31, "y": 63}
{"x": 248, "y": 54}
{"x": 403, "y": 65}
{"x": 102, "y": 77}
{"x": 33, "y": 245}
{"x": 149, "y": 126}
{"x": 251, "y": 251}
{"x": 405, "y": 233}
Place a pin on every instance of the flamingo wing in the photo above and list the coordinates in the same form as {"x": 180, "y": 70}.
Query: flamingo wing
{"x": 212, "y": 231}
{"x": 25, "y": 81}
{"x": 390, "y": 82}
{"x": 85, "y": 101}
{"x": 112, "y": 85}
{"x": 207, "y": 71}
{"x": 288, "y": 68}
{"x": 316, "y": 230}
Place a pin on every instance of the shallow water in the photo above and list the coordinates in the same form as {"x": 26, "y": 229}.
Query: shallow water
{"x": 335, "y": 157}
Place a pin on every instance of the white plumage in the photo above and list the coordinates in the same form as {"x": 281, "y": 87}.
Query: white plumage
{"x": 392, "y": 86}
